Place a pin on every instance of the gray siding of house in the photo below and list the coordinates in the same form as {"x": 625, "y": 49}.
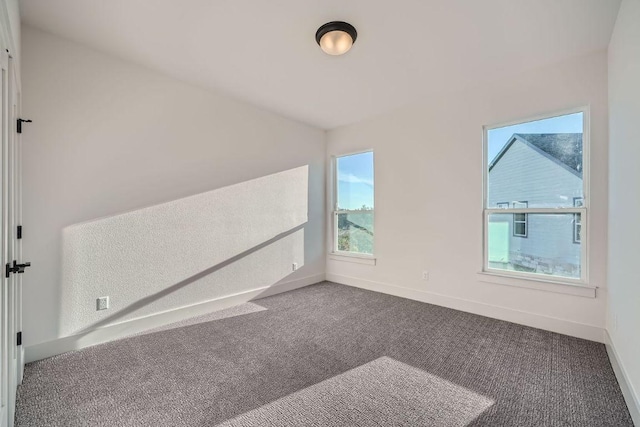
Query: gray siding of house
{"x": 524, "y": 174}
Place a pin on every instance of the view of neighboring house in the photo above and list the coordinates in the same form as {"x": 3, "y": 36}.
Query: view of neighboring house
{"x": 536, "y": 171}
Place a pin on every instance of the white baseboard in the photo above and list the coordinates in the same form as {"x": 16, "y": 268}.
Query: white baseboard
{"x": 119, "y": 330}
{"x": 631, "y": 396}
{"x": 290, "y": 285}
{"x": 562, "y": 326}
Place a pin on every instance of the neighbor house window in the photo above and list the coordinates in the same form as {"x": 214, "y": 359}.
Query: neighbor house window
{"x": 535, "y": 194}
{"x": 520, "y": 220}
{"x": 578, "y": 202}
{"x": 353, "y": 204}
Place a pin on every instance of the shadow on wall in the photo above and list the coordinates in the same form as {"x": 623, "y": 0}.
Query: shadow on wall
{"x": 219, "y": 243}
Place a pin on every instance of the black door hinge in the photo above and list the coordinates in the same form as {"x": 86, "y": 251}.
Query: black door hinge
{"x": 15, "y": 268}
{"x": 19, "y": 124}
{"x": 19, "y": 236}
{"x": 19, "y": 338}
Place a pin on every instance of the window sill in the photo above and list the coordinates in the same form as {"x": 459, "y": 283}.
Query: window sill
{"x": 356, "y": 258}
{"x": 538, "y": 284}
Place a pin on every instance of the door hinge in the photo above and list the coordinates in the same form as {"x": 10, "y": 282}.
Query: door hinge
{"x": 15, "y": 268}
{"x": 19, "y": 235}
{"x": 19, "y": 124}
{"x": 19, "y": 338}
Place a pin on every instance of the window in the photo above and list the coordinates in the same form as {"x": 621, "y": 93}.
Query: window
{"x": 520, "y": 220}
{"x": 353, "y": 204}
{"x": 535, "y": 193}
{"x": 578, "y": 202}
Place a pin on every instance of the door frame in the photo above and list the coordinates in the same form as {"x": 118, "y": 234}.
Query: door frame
{"x": 11, "y": 374}
{"x": 11, "y": 354}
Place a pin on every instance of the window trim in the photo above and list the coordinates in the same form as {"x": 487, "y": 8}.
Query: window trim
{"x": 335, "y": 211}
{"x": 583, "y": 210}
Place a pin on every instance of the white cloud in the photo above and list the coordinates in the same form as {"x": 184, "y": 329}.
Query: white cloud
{"x": 352, "y": 179}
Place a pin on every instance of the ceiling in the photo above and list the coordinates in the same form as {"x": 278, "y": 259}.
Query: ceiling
{"x": 264, "y": 52}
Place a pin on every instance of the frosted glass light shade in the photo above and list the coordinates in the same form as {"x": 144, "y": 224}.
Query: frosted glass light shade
{"x": 336, "y": 38}
{"x": 336, "y": 42}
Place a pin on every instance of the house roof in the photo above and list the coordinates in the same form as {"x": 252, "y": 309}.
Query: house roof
{"x": 564, "y": 149}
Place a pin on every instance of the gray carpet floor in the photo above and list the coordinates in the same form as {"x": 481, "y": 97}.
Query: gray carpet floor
{"x": 329, "y": 355}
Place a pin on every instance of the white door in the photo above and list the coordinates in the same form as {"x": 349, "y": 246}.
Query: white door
{"x": 4, "y": 314}
{"x": 10, "y": 297}
{"x": 16, "y": 184}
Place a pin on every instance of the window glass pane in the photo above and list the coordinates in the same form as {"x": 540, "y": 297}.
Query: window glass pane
{"x": 355, "y": 232}
{"x": 355, "y": 181}
{"x": 540, "y": 162}
{"x": 520, "y": 229}
{"x": 549, "y": 248}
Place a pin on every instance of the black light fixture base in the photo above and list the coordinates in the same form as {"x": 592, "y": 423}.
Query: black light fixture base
{"x": 336, "y": 26}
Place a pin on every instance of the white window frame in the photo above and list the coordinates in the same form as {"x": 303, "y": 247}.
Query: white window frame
{"x": 583, "y": 210}
{"x": 335, "y": 211}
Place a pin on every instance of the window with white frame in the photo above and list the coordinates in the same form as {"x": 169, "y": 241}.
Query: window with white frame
{"x": 520, "y": 220}
{"x": 353, "y": 204}
{"x": 535, "y": 198}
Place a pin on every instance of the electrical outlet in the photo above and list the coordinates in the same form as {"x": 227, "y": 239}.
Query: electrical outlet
{"x": 102, "y": 303}
{"x": 294, "y": 266}
{"x": 425, "y": 275}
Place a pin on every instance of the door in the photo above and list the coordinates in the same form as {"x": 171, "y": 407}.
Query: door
{"x": 16, "y": 208}
{"x": 4, "y": 312}
{"x": 10, "y": 295}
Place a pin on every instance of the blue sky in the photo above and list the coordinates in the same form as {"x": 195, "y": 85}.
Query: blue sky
{"x": 355, "y": 181}
{"x": 497, "y": 138}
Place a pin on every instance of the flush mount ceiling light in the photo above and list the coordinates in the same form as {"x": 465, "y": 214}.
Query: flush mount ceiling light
{"x": 336, "y": 38}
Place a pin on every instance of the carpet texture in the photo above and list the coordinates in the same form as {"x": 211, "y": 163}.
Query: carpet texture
{"x": 383, "y": 392}
{"x": 328, "y": 353}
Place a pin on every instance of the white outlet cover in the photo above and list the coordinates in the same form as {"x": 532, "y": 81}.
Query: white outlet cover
{"x": 102, "y": 303}
{"x": 294, "y": 266}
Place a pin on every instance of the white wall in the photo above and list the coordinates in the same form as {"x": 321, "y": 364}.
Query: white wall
{"x": 109, "y": 137}
{"x": 178, "y": 253}
{"x": 10, "y": 28}
{"x": 623, "y": 321}
{"x": 428, "y": 188}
